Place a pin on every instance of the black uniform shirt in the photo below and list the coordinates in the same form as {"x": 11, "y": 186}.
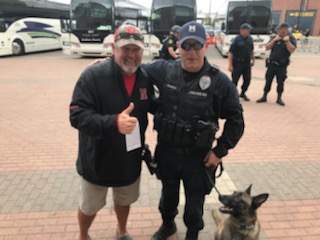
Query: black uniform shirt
{"x": 170, "y": 41}
{"x": 242, "y": 48}
{"x": 279, "y": 51}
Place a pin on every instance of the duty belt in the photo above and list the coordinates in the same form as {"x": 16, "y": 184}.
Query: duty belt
{"x": 179, "y": 150}
{"x": 278, "y": 63}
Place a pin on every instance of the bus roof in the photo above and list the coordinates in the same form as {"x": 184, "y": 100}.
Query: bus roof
{"x": 33, "y": 8}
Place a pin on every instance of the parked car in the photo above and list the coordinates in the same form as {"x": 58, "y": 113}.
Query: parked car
{"x": 210, "y": 34}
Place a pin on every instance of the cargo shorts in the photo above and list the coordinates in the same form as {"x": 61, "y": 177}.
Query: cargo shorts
{"x": 93, "y": 197}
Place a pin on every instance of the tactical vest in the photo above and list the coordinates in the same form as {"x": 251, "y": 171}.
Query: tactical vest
{"x": 243, "y": 49}
{"x": 186, "y": 117}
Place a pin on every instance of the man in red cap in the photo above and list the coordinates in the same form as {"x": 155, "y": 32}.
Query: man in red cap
{"x": 109, "y": 108}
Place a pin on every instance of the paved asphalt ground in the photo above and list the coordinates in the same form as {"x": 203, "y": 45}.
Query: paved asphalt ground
{"x": 279, "y": 154}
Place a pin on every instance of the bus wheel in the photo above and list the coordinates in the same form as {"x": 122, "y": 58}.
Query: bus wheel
{"x": 17, "y": 47}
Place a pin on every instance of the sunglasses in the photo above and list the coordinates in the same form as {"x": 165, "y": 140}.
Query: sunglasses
{"x": 187, "y": 46}
{"x": 126, "y": 35}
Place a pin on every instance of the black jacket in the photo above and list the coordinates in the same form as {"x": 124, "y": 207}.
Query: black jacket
{"x": 99, "y": 96}
{"x": 225, "y": 98}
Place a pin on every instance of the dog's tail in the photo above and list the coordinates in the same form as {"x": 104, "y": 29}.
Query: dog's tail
{"x": 217, "y": 216}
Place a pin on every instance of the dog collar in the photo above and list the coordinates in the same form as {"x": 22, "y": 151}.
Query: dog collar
{"x": 246, "y": 226}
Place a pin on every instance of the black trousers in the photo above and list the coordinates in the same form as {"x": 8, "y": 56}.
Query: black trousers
{"x": 188, "y": 168}
{"x": 244, "y": 69}
{"x": 280, "y": 71}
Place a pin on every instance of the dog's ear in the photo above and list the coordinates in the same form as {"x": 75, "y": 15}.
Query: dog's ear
{"x": 249, "y": 190}
{"x": 258, "y": 200}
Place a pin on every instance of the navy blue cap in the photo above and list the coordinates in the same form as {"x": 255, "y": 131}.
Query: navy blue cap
{"x": 193, "y": 30}
{"x": 283, "y": 25}
{"x": 245, "y": 26}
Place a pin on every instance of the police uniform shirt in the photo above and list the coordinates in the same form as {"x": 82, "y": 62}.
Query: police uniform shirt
{"x": 169, "y": 42}
{"x": 224, "y": 91}
{"x": 279, "y": 51}
{"x": 172, "y": 42}
{"x": 242, "y": 48}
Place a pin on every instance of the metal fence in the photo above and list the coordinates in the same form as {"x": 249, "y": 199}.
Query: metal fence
{"x": 310, "y": 44}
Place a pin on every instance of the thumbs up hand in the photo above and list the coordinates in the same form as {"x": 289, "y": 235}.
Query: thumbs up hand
{"x": 126, "y": 123}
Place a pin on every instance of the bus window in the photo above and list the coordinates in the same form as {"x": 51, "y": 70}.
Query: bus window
{"x": 93, "y": 16}
{"x": 162, "y": 15}
{"x": 185, "y": 12}
{"x": 257, "y": 16}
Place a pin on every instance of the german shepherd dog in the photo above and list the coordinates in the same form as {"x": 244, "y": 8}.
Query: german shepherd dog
{"x": 242, "y": 224}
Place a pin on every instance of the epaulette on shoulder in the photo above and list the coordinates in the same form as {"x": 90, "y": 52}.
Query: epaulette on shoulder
{"x": 214, "y": 68}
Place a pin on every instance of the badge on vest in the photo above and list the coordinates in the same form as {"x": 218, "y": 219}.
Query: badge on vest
{"x": 205, "y": 82}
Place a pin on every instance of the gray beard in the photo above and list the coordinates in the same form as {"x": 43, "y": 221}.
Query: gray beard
{"x": 127, "y": 70}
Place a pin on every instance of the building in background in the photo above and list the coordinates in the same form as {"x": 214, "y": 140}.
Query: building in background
{"x": 299, "y": 14}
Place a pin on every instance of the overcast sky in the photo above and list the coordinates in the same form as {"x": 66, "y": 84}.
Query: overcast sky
{"x": 203, "y": 5}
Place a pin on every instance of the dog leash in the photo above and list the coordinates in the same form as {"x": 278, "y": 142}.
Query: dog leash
{"x": 210, "y": 176}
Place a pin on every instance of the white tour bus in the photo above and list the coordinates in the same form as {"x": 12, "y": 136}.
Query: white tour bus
{"x": 20, "y": 33}
{"x": 90, "y": 29}
{"x": 257, "y": 13}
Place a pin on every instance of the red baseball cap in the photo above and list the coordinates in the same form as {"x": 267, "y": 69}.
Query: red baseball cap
{"x": 128, "y": 34}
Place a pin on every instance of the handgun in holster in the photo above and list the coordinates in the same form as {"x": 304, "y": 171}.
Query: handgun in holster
{"x": 150, "y": 162}
{"x": 205, "y": 133}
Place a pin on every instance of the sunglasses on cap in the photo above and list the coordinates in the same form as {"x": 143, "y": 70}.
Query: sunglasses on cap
{"x": 126, "y": 35}
{"x": 187, "y": 46}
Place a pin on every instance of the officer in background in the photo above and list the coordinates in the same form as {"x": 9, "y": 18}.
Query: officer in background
{"x": 241, "y": 58}
{"x": 169, "y": 45}
{"x": 281, "y": 45}
{"x": 194, "y": 95}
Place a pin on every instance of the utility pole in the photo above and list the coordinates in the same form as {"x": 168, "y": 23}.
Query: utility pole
{"x": 300, "y": 12}
{"x": 209, "y": 12}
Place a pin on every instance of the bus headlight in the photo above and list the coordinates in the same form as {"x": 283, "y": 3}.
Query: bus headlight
{"x": 155, "y": 45}
{"x": 77, "y": 45}
{"x": 107, "y": 45}
{"x": 65, "y": 43}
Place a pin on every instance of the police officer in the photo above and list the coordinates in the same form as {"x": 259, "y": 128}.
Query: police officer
{"x": 241, "y": 58}
{"x": 281, "y": 45}
{"x": 169, "y": 45}
{"x": 193, "y": 96}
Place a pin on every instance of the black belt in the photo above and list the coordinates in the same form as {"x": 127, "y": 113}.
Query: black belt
{"x": 179, "y": 150}
{"x": 278, "y": 63}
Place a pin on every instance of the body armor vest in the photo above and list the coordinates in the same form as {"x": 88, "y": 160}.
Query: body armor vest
{"x": 186, "y": 117}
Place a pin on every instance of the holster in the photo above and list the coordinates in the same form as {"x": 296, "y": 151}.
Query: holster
{"x": 205, "y": 133}
{"x": 146, "y": 156}
{"x": 267, "y": 62}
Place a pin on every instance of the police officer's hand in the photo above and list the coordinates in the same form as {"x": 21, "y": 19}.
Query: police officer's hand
{"x": 230, "y": 68}
{"x": 211, "y": 159}
{"x": 277, "y": 38}
{"x": 126, "y": 123}
{"x": 286, "y": 38}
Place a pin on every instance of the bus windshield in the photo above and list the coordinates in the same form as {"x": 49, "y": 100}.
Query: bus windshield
{"x": 127, "y": 12}
{"x": 185, "y": 12}
{"x": 92, "y": 15}
{"x": 167, "y": 13}
{"x": 258, "y": 14}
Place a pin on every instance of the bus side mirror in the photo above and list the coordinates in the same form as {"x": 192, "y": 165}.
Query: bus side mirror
{"x": 223, "y": 27}
{"x": 65, "y": 25}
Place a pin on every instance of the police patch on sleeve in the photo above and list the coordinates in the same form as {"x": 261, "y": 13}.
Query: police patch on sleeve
{"x": 205, "y": 82}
